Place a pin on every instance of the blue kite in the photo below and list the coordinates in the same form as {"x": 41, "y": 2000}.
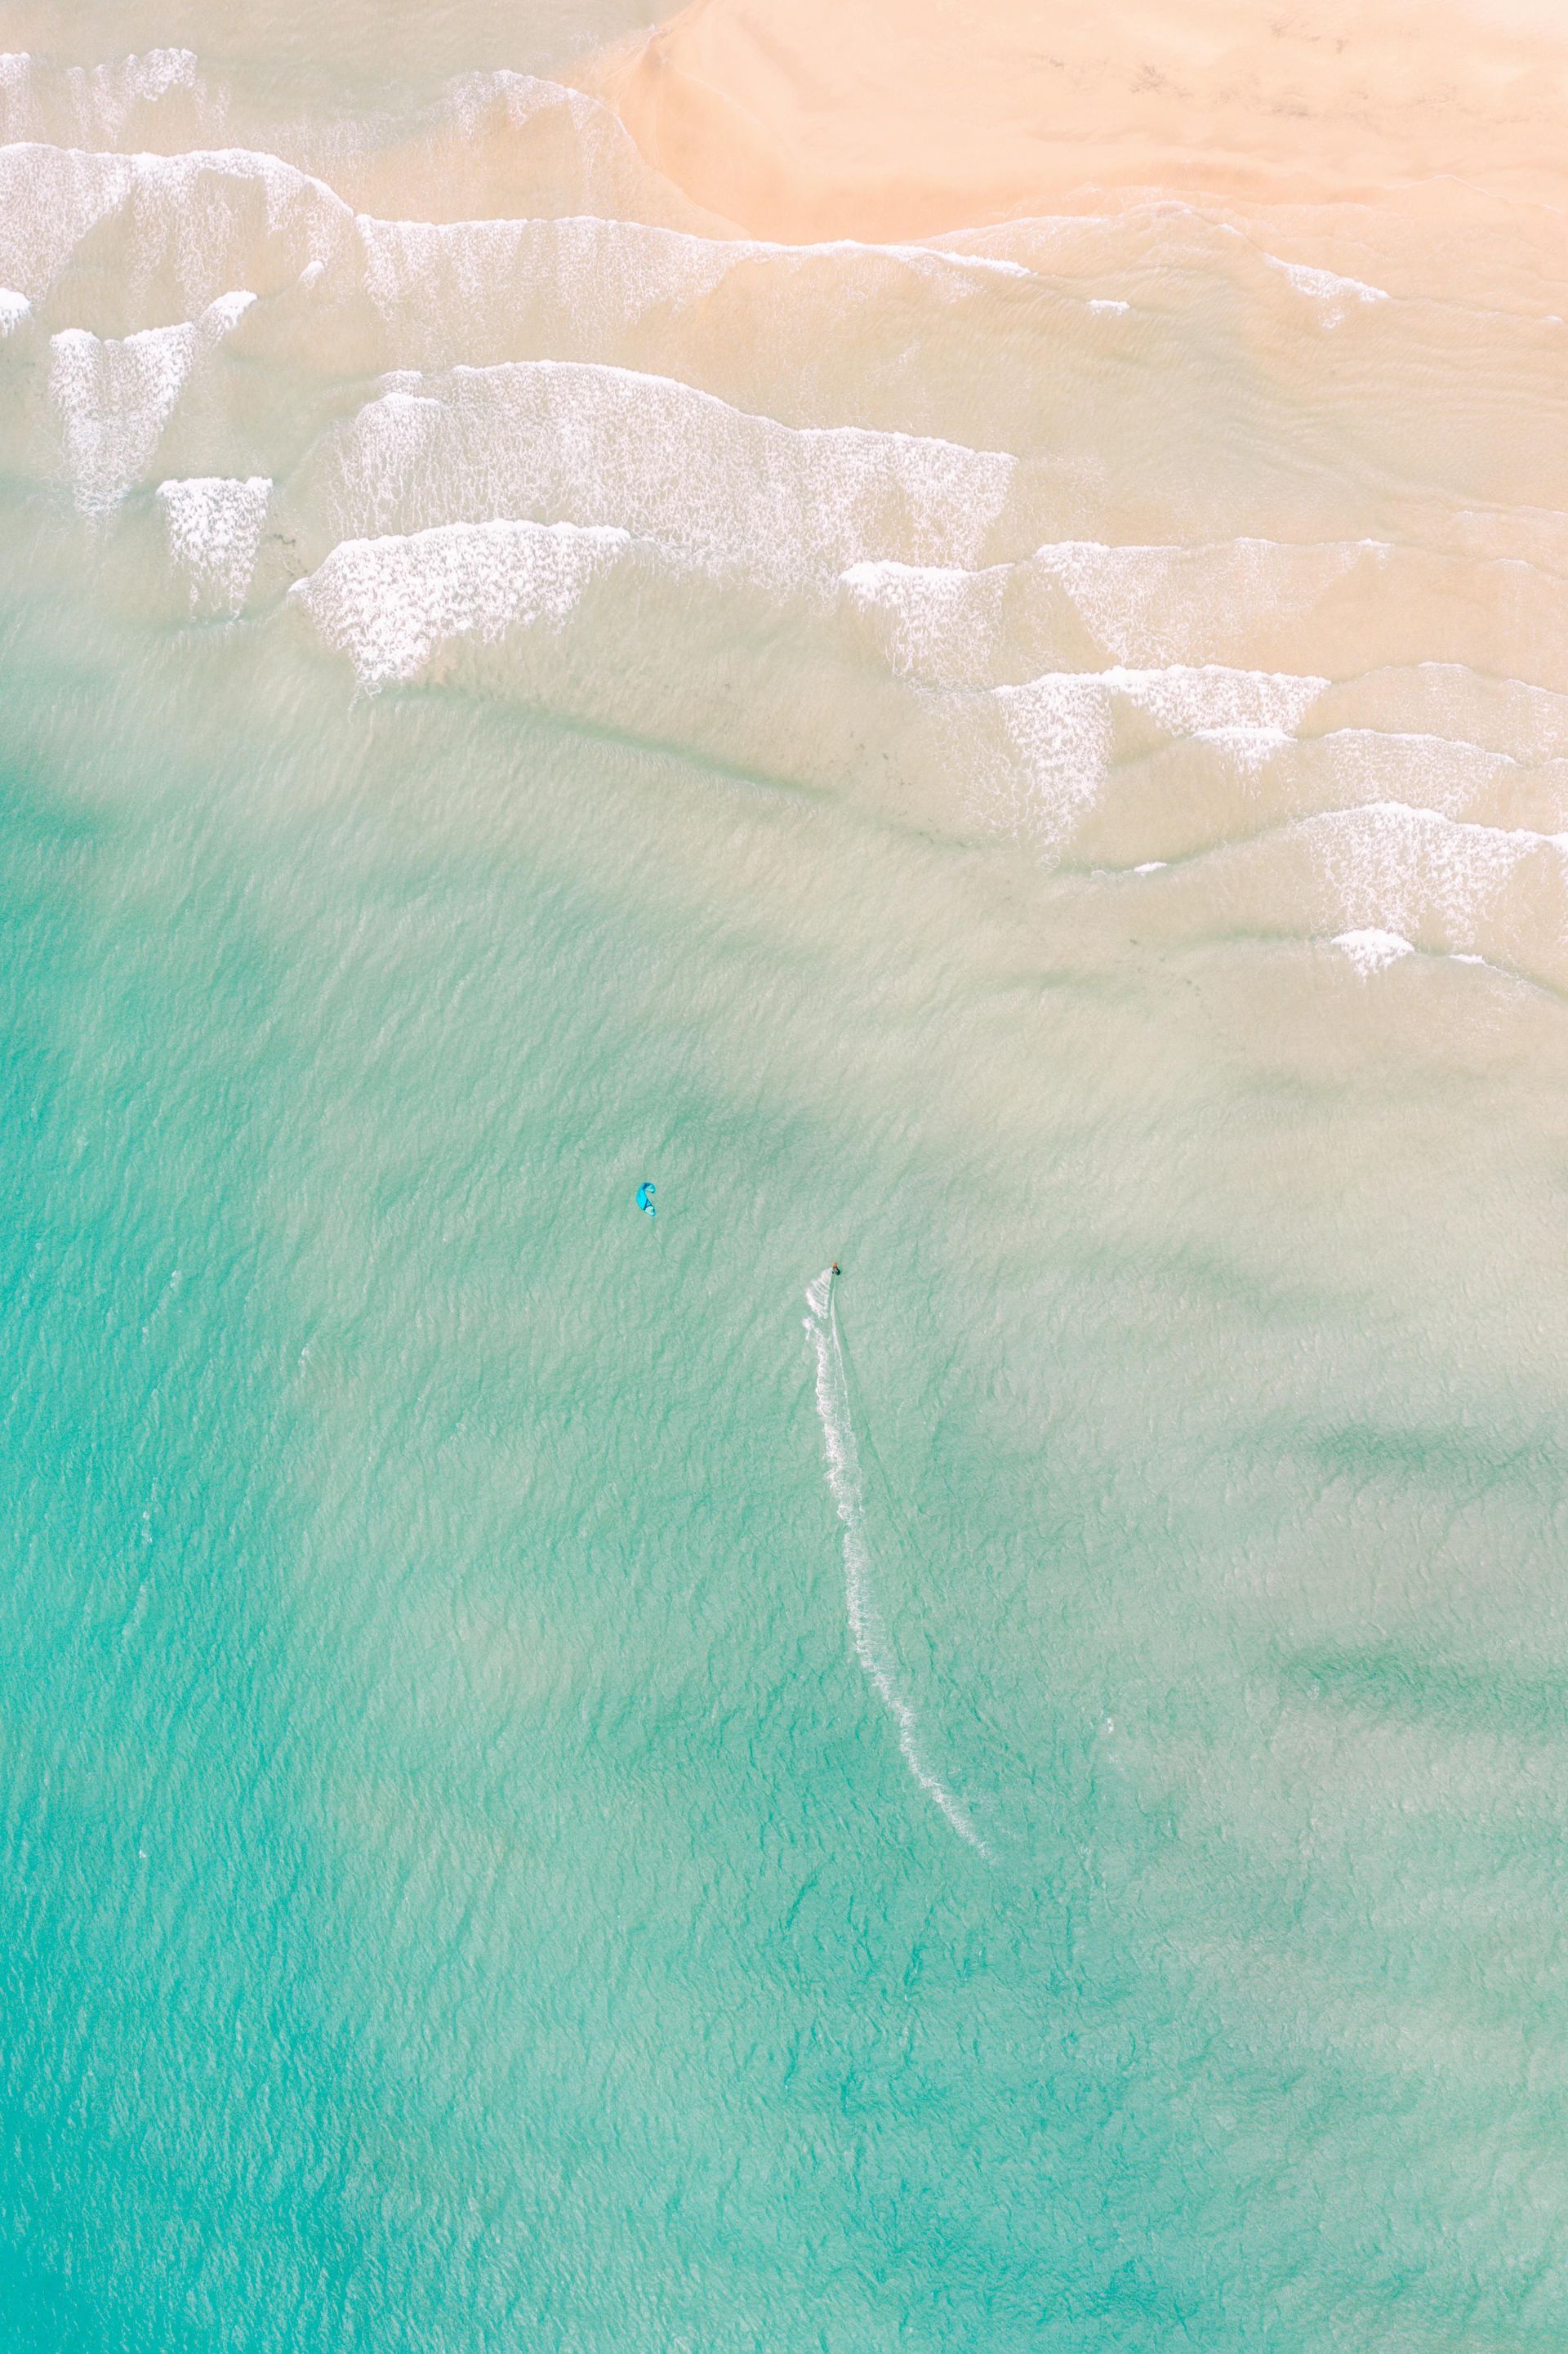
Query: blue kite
{"x": 645, "y": 1193}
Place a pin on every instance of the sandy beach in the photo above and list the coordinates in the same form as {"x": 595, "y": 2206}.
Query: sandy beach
{"x": 903, "y": 118}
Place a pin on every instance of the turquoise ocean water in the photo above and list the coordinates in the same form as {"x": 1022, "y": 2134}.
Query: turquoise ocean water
{"x": 553, "y": 1794}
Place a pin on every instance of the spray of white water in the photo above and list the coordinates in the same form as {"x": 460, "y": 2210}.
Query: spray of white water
{"x": 845, "y": 1481}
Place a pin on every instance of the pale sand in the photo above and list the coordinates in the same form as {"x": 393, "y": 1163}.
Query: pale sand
{"x": 885, "y": 119}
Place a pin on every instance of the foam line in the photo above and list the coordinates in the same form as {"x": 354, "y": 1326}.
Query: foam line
{"x": 845, "y": 1484}
{"x": 1372, "y": 950}
{"x": 116, "y": 394}
{"x": 389, "y": 603}
{"x": 215, "y": 524}
{"x": 588, "y": 443}
{"x": 101, "y": 101}
{"x": 1151, "y": 607}
{"x": 1338, "y": 295}
{"x": 1059, "y": 729}
{"x": 195, "y": 206}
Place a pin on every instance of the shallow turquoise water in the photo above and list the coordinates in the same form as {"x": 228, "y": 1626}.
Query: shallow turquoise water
{"x": 460, "y": 1889}
{"x": 464, "y": 1884}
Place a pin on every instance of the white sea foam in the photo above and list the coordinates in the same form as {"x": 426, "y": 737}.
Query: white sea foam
{"x": 581, "y": 442}
{"x": 936, "y": 621}
{"x": 1148, "y": 606}
{"x": 1039, "y": 244}
{"x": 1160, "y": 235}
{"x": 98, "y": 102}
{"x": 1336, "y": 296}
{"x": 51, "y": 199}
{"x": 598, "y": 155}
{"x": 606, "y": 274}
{"x": 444, "y": 289}
{"x": 1215, "y": 699}
{"x": 436, "y": 281}
{"x": 1060, "y": 728}
{"x": 215, "y": 526}
{"x": 1372, "y": 950}
{"x": 1250, "y": 750}
{"x": 583, "y": 157}
{"x": 520, "y": 97}
{"x": 389, "y": 603}
{"x": 609, "y": 270}
{"x": 200, "y": 216}
{"x": 115, "y": 397}
{"x": 1058, "y": 732}
{"x": 871, "y": 1645}
{"x": 1456, "y": 703}
{"x": 1161, "y": 604}
{"x": 1405, "y": 766}
{"x": 1391, "y": 868}
{"x": 480, "y": 500}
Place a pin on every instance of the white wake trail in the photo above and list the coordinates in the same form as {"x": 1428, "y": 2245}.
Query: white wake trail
{"x": 845, "y": 1483}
